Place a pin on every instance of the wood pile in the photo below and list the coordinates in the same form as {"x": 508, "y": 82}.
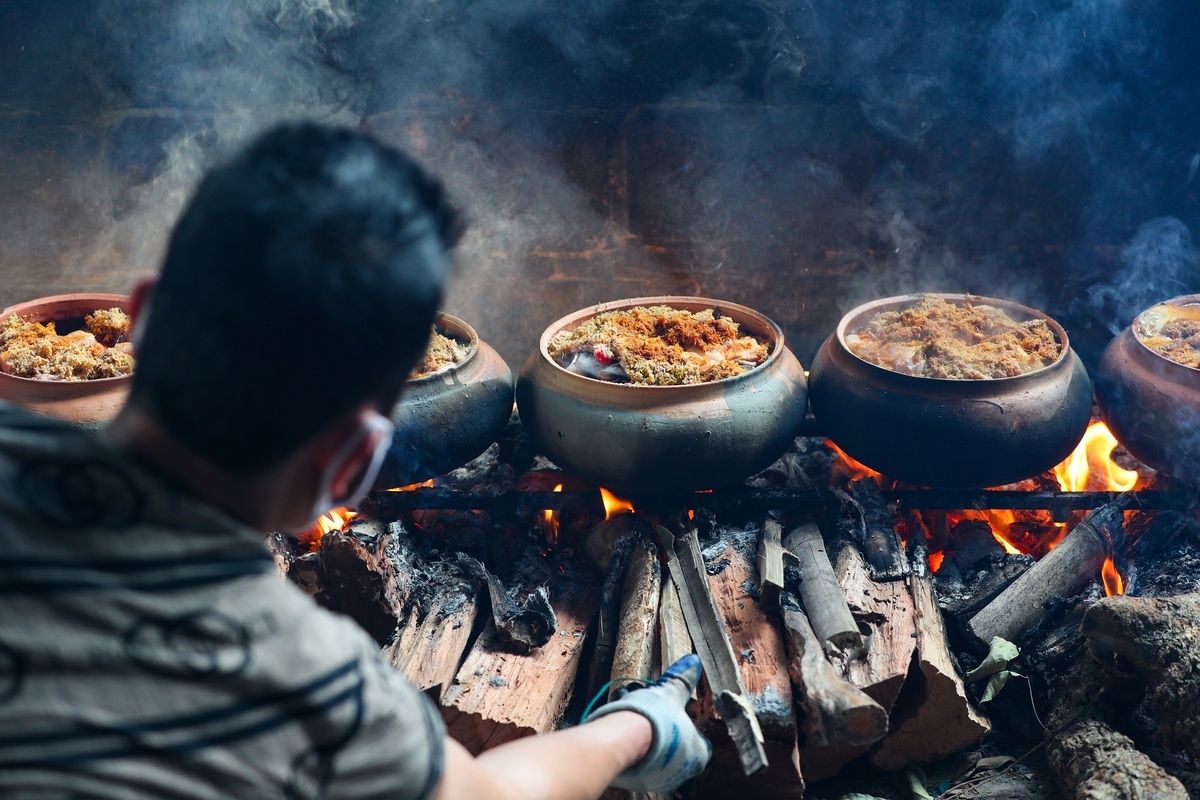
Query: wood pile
{"x": 811, "y": 661}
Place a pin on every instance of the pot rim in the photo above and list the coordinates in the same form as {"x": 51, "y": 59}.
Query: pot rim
{"x": 886, "y": 303}
{"x": 1181, "y": 300}
{"x": 459, "y": 329}
{"x": 572, "y": 320}
{"x": 28, "y": 307}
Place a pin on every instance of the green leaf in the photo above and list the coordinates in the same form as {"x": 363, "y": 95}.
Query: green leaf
{"x": 916, "y": 782}
{"x": 1000, "y": 652}
{"x": 996, "y": 683}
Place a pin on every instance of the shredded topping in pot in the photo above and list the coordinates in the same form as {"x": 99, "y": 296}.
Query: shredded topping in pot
{"x": 1172, "y": 331}
{"x": 441, "y": 352}
{"x": 36, "y": 350}
{"x": 936, "y": 339}
{"x": 657, "y": 346}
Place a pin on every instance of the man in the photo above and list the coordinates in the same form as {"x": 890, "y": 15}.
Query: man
{"x": 147, "y": 647}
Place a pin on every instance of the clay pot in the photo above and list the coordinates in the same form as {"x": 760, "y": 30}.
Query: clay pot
{"x": 633, "y": 439}
{"x": 450, "y": 417}
{"x": 87, "y": 403}
{"x": 949, "y": 433}
{"x": 1152, "y": 404}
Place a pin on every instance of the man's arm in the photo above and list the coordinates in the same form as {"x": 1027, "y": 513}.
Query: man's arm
{"x": 644, "y": 740}
{"x": 573, "y": 764}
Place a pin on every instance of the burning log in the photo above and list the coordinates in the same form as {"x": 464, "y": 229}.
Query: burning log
{"x": 824, "y": 604}
{"x": 499, "y": 695}
{"x": 352, "y": 574}
{"x": 707, "y": 628}
{"x": 1060, "y": 573}
{"x": 762, "y": 663}
{"x": 1157, "y": 638}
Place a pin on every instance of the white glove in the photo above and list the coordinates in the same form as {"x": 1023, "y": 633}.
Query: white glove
{"x": 678, "y": 751}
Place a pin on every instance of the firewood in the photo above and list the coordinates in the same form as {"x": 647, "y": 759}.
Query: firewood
{"x": 1091, "y": 761}
{"x": 939, "y": 719}
{"x": 1157, "y": 639}
{"x": 673, "y": 638}
{"x": 886, "y": 610}
{"x": 707, "y": 628}
{"x": 836, "y": 712}
{"x": 762, "y": 662}
{"x": 499, "y": 695}
{"x": 824, "y": 604}
{"x": 432, "y": 643}
{"x": 866, "y": 522}
{"x": 640, "y": 596}
{"x": 1059, "y": 574}
{"x": 770, "y": 563}
{"x": 433, "y": 638}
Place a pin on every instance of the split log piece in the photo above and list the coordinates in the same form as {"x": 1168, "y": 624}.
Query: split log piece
{"x": 762, "y": 664}
{"x": 1157, "y": 637}
{"x": 824, "y": 604}
{"x": 866, "y": 522}
{"x": 1060, "y": 573}
{"x": 499, "y": 695}
{"x": 432, "y": 643}
{"x": 885, "y": 609}
{"x": 707, "y": 629}
{"x": 835, "y": 710}
{"x": 674, "y": 641}
{"x": 770, "y": 563}
{"x": 1091, "y": 761}
{"x": 938, "y": 718}
{"x": 640, "y": 598}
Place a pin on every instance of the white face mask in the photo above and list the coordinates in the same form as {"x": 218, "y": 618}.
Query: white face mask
{"x": 374, "y": 426}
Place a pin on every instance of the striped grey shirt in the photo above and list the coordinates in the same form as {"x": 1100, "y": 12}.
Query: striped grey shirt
{"x": 149, "y": 649}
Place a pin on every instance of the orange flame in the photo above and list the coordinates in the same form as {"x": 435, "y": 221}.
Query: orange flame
{"x": 550, "y": 521}
{"x": 935, "y": 560}
{"x": 335, "y": 520}
{"x": 1114, "y": 584}
{"x": 851, "y": 470}
{"x": 612, "y": 503}
{"x": 429, "y": 484}
{"x": 1091, "y": 468}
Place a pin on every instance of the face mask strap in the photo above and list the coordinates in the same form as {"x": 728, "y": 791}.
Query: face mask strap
{"x": 373, "y": 425}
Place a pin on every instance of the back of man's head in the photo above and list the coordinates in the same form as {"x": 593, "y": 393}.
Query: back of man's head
{"x": 302, "y": 279}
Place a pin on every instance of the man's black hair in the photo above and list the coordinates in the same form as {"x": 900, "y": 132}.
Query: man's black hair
{"x": 303, "y": 278}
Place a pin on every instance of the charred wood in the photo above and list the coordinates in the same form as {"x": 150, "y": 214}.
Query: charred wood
{"x": 1091, "y": 761}
{"x": 866, "y": 522}
{"x": 640, "y": 598}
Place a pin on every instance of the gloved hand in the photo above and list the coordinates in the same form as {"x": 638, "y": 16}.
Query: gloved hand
{"x": 678, "y": 751}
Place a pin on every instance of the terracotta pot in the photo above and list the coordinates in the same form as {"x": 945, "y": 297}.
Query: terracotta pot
{"x": 1152, "y": 404}
{"x": 450, "y": 417}
{"x": 84, "y": 402}
{"x": 633, "y": 439}
{"x": 949, "y": 433}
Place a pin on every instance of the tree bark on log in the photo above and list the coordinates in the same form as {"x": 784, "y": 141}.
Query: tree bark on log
{"x": 1157, "y": 637}
{"x": 1091, "y": 761}
{"x": 638, "y": 625}
{"x": 825, "y": 606}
